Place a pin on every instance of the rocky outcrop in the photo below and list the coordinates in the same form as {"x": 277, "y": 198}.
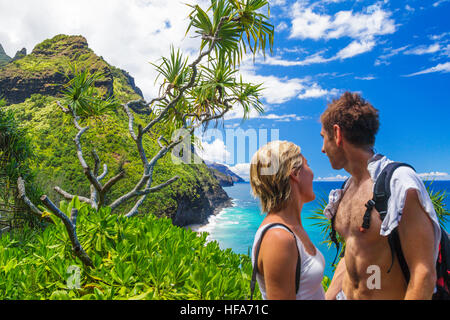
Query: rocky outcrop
{"x": 130, "y": 82}
{"x": 19, "y": 54}
{"x": 197, "y": 210}
{"x": 4, "y": 58}
{"x": 224, "y": 179}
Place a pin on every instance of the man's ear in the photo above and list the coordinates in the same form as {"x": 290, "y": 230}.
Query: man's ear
{"x": 337, "y": 135}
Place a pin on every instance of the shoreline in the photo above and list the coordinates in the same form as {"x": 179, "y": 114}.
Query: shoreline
{"x": 196, "y": 227}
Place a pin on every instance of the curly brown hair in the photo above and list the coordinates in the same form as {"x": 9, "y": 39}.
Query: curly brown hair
{"x": 357, "y": 118}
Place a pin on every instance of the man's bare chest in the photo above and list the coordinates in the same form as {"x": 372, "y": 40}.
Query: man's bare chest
{"x": 351, "y": 210}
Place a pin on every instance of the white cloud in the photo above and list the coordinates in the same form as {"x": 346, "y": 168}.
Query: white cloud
{"x": 355, "y": 48}
{"x": 366, "y": 78}
{"x": 439, "y": 36}
{"x": 442, "y": 67}
{"x": 438, "y": 3}
{"x": 312, "y": 59}
{"x": 333, "y": 178}
{"x": 434, "y": 175}
{"x": 383, "y": 59}
{"x": 446, "y": 51}
{"x": 281, "y": 27}
{"x": 409, "y": 8}
{"x": 317, "y": 92}
{"x": 360, "y": 25}
{"x": 242, "y": 170}
{"x": 420, "y": 50}
{"x": 215, "y": 151}
{"x": 309, "y": 25}
{"x": 277, "y": 2}
{"x": 276, "y": 90}
{"x": 283, "y": 117}
{"x": 280, "y": 90}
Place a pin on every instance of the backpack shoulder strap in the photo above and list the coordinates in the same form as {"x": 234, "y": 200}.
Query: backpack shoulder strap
{"x": 258, "y": 247}
{"x": 382, "y": 188}
{"x": 381, "y": 194}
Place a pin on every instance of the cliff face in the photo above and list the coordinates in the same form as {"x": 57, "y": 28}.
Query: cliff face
{"x": 31, "y": 86}
{"x": 4, "y": 58}
{"x": 197, "y": 210}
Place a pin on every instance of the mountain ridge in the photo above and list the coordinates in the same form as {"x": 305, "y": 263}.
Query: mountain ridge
{"x": 222, "y": 173}
{"x": 30, "y": 86}
{"x": 4, "y": 58}
{"x": 46, "y": 68}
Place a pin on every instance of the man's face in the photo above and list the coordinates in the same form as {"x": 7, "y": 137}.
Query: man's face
{"x": 333, "y": 152}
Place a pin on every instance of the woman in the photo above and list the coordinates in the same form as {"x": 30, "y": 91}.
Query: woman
{"x": 281, "y": 178}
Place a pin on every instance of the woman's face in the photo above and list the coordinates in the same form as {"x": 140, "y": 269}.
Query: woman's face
{"x": 305, "y": 182}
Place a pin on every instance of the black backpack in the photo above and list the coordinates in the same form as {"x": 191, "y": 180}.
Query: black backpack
{"x": 255, "y": 267}
{"x": 382, "y": 192}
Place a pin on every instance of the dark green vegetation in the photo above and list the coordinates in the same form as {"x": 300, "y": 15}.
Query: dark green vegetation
{"x": 4, "y": 58}
{"x": 15, "y": 154}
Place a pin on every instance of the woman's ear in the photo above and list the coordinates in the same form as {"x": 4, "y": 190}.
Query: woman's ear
{"x": 295, "y": 174}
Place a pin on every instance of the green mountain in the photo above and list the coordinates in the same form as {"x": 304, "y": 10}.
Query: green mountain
{"x": 4, "y": 58}
{"x": 31, "y": 85}
{"x": 225, "y": 176}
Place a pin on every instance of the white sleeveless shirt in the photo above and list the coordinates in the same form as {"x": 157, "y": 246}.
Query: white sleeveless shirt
{"x": 312, "y": 268}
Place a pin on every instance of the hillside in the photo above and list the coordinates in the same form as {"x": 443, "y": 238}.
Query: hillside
{"x": 222, "y": 173}
{"x": 31, "y": 85}
{"x": 4, "y": 58}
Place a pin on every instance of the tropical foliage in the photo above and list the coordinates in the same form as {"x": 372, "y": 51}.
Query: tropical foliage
{"x": 139, "y": 258}
{"x": 80, "y": 94}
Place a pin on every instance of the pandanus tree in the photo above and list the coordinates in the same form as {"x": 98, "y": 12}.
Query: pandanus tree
{"x": 192, "y": 94}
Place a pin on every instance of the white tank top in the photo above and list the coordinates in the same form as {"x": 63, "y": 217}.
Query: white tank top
{"x": 312, "y": 268}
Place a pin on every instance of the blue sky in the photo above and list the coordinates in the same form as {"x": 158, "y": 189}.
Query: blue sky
{"x": 395, "y": 53}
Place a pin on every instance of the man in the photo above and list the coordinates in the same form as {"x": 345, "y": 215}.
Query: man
{"x": 349, "y": 126}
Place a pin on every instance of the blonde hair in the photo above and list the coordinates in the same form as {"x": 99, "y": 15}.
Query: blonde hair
{"x": 270, "y": 168}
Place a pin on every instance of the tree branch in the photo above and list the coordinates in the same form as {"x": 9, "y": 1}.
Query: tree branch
{"x": 22, "y": 195}
{"x": 69, "y": 196}
{"x": 145, "y": 193}
{"x": 71, "y": 228}
{"x": 191, "y": 82}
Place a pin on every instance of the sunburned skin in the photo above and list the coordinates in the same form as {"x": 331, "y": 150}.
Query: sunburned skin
{"x": 365, "y": 248}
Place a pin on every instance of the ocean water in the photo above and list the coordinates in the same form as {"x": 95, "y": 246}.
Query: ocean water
{"x": 235, "y": 227}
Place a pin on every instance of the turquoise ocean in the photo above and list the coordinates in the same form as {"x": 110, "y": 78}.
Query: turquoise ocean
{"x": 234, "y": 227}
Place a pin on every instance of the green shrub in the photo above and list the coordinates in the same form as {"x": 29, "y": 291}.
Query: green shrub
{"x": 139, "y": 258}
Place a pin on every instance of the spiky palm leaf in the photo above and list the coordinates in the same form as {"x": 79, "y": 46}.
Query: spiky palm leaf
{"x": 80, "y": 94}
